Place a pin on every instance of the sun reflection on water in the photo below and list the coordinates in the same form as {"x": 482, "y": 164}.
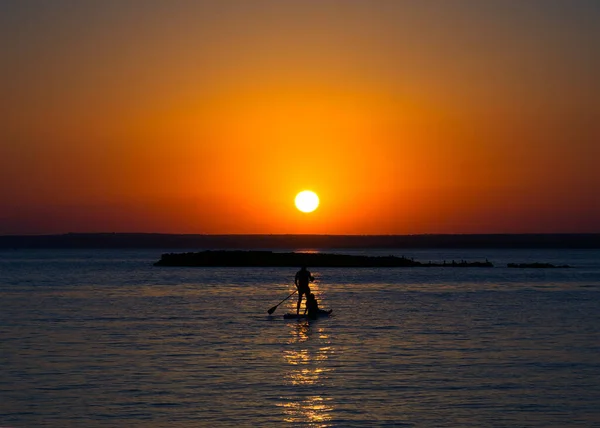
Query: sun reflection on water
{"x": 306, "y": 355}
{"x": 313, "y": 410}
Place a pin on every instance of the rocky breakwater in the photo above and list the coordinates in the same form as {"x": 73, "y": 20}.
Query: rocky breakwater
{"x": 536, "y": 265}
{"x": 274, "y": 259}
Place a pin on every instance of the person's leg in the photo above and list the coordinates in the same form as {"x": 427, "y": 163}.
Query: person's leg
{"x": 300, "y": 293}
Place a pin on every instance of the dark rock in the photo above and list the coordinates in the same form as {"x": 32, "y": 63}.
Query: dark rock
{"x": 535, "y": 265}
{"x": 273, "y": 259}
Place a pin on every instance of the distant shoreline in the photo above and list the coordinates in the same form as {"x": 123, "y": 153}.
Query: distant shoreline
{"x": 198, "y": 242}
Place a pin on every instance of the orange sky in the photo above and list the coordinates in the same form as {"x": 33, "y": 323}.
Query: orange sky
{"x": 208, "y": 117}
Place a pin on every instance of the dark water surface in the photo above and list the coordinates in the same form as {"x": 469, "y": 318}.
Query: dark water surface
{"x": 104, "y": 339}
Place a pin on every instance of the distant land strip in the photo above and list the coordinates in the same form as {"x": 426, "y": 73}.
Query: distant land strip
{"x": 239, "y": 258}
{"x": 294, "y": 242}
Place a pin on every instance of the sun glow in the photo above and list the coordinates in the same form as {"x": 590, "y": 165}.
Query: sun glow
{"x": 307, "y": 201}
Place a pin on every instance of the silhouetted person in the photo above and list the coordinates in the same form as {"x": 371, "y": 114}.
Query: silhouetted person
{"x": 312, "y": 307}
{"x": 303, "y": 277}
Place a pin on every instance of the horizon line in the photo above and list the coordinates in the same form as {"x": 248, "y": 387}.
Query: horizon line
{"x": 301, "y": 234}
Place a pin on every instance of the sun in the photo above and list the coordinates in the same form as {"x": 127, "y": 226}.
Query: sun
{"x": 307, "y": 201}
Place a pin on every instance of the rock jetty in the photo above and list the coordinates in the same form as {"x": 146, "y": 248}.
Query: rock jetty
{"x": 274, "y": 259}
{"x": 536, "y": 265}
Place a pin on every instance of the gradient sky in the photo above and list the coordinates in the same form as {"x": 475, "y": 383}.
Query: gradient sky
{"x": 405, "y": 117}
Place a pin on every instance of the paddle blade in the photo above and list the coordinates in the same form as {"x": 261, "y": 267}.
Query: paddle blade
{"x": 270, "y": 311}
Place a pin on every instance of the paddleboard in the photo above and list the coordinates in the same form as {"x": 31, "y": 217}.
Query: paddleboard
{"x": 293, "y": 316}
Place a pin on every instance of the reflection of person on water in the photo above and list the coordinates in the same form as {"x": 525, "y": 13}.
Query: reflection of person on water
{"x": 303, "y": 277}
{"x": 312, "y": 307}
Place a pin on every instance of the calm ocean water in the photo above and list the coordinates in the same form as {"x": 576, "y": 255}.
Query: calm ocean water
{"x": 104, "y": 339}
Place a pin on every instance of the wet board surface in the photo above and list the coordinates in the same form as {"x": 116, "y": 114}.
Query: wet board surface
{"x": 303, "y": 316}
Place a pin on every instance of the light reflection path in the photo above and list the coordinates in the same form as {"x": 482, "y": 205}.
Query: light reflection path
{"x": 307, "y": 375}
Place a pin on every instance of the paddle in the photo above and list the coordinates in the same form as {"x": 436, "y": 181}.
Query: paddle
{"x": 270, "y": 311}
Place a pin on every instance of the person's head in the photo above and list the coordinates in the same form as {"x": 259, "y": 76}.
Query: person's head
{"x": 311, "y": 296}
{"x": 303, "y": 268}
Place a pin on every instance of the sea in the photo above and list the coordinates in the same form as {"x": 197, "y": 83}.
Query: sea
{"x": 102, "y": 338}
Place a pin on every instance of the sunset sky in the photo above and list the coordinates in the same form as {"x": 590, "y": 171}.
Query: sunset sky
{"x": 405, "y": 117}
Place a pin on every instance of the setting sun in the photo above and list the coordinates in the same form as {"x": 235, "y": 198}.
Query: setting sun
{"x": 307, "y": 201}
